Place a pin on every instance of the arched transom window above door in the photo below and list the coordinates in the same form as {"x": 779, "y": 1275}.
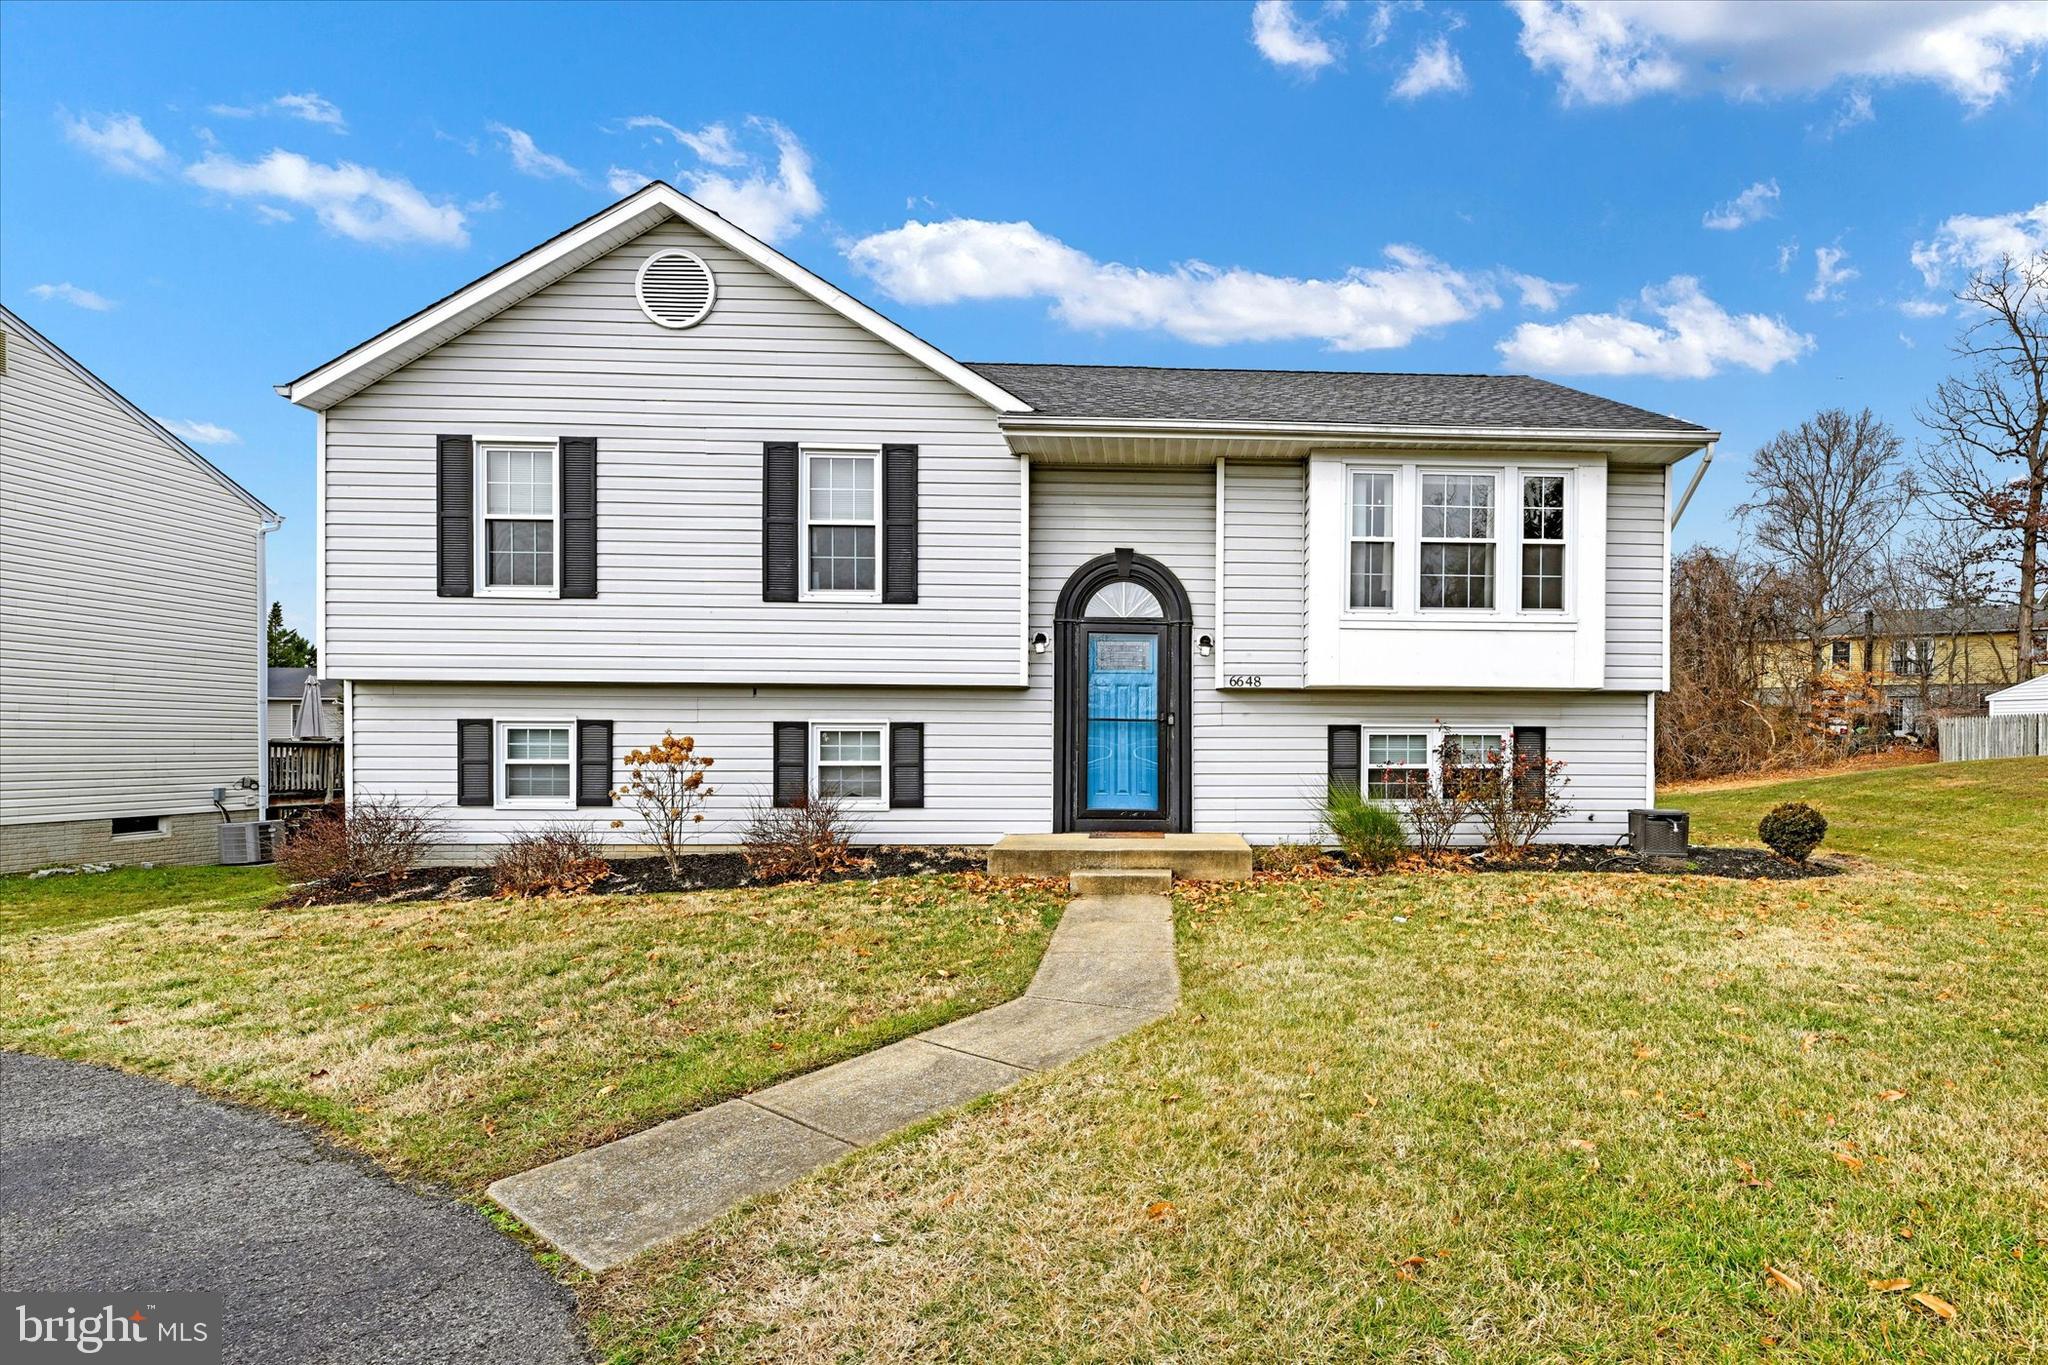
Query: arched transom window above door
{"x": 1123, "y": 601}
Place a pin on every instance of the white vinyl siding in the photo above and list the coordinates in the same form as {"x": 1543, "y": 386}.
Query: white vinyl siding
{"x": 680, "y": 418}
{"x": 132, "y": 678}
{"x": 1265, "y": 556}
{"x": 1637, "y": 578}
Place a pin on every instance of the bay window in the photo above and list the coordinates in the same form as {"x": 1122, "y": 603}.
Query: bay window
{"x": 518, "y": 514}
{"x": 1457, "y": 542}
{"x": 842, "y": 520}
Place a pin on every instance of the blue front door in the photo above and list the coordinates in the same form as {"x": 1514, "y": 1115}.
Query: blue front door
{"x": 1123, "y": 722}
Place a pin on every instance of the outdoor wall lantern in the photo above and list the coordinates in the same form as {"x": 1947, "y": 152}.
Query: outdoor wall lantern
{"x": 1205, "y": 646}
{"x": 1039, "y": 643}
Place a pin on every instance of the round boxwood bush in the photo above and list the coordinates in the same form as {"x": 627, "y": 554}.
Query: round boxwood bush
{"x": 1793, "y": 830}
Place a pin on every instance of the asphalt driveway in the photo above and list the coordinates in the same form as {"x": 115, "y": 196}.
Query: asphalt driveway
{"x": 118, "y": 1183}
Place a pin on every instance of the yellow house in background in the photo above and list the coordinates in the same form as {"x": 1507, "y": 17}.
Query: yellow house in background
{"x": 1925, "y": 661}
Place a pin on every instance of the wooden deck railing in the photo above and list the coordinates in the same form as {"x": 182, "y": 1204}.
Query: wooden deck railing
{"x": 305, "y": 768}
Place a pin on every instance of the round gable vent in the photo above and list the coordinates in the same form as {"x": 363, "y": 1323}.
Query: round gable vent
{"x": 675, "y": 288}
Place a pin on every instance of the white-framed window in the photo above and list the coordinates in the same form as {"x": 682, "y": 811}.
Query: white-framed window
{"x": 1371, "y": 533}
{"x": 1397, "y": 766}
{"x": 518, "y": 508}
{"x": 842, "y": 516}
{"x": 849, "y": 762}
{"x": 1543, "y": 542}
{"x": 1913, "y": 658}
{"x": 536, "y": 763}
{"x": 1456, "y": 531}
{"x": 1472, "y": 748}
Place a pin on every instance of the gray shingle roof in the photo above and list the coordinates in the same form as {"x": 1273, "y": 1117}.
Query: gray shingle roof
{"x": 289, "y": 684}
{"x": 1319, "y": 396}
{"x": 1974, "y": 620}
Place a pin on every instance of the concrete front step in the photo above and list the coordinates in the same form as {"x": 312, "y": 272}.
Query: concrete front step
{"x": 1134, "y": 881}
{"x": 1188, "y": 857}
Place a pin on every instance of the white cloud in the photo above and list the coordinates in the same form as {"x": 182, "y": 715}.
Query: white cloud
{"x": 1968, "y": 242}
{"x": 1285, "y": 39}
{"x": 1698, "y": 339}
{"x": 1829, "y": 274}
{"x": 1856, "y": 109}
{"x": 1788, "y": 252}
{"x": 353, "y": 200}
{"x": 1908, "y": 342}
{"x": 1545, "y": 296}
{"x": 529, "y": 159}
{"x": 309, "y": 107}
{"x": 120, "y": 143}
{"x": 1753, "y": 205}
{"x": 772, "y": 205}
{"x": 1363, "y": 309}
{"x": 622, "y": 182}
{"x": 1923, "y": 308}
{"x": 270, "y": 215}
{"x": 1612, "y": 51}
{"x": 200, "y": 433}
{"x": 70, "y": 293}
{"x": 713, "y": 143}
{"x": 1435, "y": 69}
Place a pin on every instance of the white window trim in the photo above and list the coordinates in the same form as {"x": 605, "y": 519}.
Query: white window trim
{"x": 1392, "y": 540}
{"x": 1406, "y": 597}
{"x": 805, "y": 592}
{"x": 811, "y": 775}
{"x": 500, "y": 788}
{"x": 481, "y": 445}
{"x": 1366, "y": 765}
{"x": 1523, "y": 473}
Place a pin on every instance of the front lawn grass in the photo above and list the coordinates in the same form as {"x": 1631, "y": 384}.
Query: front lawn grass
{"x": 1480, "y": 1117}
{"x": 463, "y": 1041}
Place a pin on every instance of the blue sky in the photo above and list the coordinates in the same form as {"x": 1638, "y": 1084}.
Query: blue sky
{"x": 1737, "y": 213}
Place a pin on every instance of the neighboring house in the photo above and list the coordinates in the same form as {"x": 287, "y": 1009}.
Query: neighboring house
{"x": 2029, "y": 698}
{"x": 1925, "y": 661}
{"x": 131, "y": 626}
{"x": 287, "y": 690}
{"x": 652, "y": 475}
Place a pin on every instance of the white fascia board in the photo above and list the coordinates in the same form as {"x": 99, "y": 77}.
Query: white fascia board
{"x": 1051, "y": 425}
{"x": 558, "y": 257}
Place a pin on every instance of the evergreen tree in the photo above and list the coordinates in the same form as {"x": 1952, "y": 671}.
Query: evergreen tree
{"x": 288, "y": 648}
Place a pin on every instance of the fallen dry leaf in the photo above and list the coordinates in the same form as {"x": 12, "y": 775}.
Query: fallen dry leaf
{"x": 1935, "y": 1304}
{"x": 1780, "y": 1280}
{"x": 1889, "y": 1286}
{"x": 1891, "y": 1096}
{"x": 1854, "y": 1163}
{"x": 1159, "y": 1210}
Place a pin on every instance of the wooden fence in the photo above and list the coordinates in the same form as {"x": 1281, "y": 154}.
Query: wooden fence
{"x": 1968, "y": 737}
{"x": 305, "y": 769}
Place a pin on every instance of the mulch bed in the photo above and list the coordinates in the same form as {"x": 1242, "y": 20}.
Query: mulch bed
{"x": 637, "y": 876}
{"x": 1747, "y": 864}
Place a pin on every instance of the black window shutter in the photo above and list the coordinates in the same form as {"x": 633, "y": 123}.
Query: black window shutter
{"x": 1344, "y": 770}
{"x": 899, "y": 523}
{"x": 593, "y": 763}
{"x": 906, "y": 766}
{"x": 792, "y": 762}
{"x": 1531, "y": 741}
{"x": 473, "y": 764}
{"x": 455, "y": 516}
{"x": 778, "y": 521}
{"x": 579, "y": 516}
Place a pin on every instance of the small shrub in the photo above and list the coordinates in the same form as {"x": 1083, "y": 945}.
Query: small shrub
{"x": 1439, "y": 808}
{"x": 1792, "y": 830}
{"x": 1369, "y": 833}
{"x": 557, "y": 860}
{"x": 1287, "y": 859}
{"x": 1515, "y": 797}
{"x": 802, "y": 842}
{"x": 665, "y": 784}
{"x": 378, "y": 840}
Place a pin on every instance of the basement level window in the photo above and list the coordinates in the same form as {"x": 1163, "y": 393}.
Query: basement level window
{"x": 131, "y": 825}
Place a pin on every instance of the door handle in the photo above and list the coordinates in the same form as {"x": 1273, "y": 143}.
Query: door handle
{"x": 1169, "y": 720}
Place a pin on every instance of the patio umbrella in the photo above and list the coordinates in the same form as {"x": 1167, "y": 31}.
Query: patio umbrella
{"x": 309, "y": 725}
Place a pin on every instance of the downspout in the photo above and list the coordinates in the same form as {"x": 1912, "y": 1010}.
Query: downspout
{"x": 263, "y": 665}
{"x": 1684, "y": 498}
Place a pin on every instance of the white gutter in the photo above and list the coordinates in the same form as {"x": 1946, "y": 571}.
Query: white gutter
{"x": 1048, "y": 424}
{"x": 1686, "y": 497}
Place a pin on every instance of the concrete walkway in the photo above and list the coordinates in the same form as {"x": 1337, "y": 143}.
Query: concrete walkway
{"x": 1108, "y": 970}
{"x": 114, "y": 1183}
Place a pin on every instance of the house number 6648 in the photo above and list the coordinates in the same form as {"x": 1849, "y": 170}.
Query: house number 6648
{"x": 1247, "y": 680}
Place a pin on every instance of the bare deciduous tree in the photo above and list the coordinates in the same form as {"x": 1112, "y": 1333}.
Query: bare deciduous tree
{"x": 1725, "y": 615}
{"x": 1826, "y": 498}
{"x": 1988, "y": 468}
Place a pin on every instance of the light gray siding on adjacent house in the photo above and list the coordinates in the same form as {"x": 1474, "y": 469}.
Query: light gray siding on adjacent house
{"x": 680, "y": 418}
{"x": 1637, "y": 578}
{"x": 1265, "y": 547}
{"x": 129, "y": 612}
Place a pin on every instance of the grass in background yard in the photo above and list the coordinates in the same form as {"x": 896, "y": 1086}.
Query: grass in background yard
{"x": 464, "y": 1041}
{"x": 1497, "y": 1118}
